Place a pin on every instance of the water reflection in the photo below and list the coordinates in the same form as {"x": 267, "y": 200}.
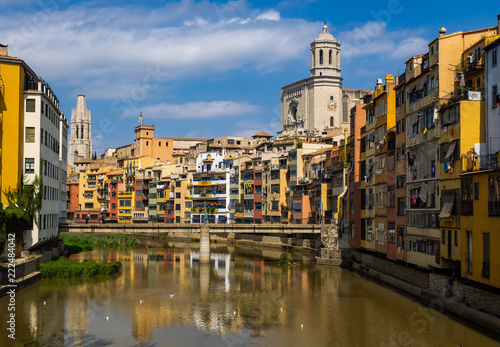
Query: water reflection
{"x": 164, "y": 296}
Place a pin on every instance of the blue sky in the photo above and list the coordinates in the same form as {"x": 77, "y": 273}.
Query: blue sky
{"x": 211, "y": 68}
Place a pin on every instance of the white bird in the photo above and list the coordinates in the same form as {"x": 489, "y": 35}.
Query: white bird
{"x": 107, "y": 318}
{"x": 16, "y": 204}
{"x": 281, "y": 308}
{"x": 302, "y": 326}
{"x": 45, "y": 302}
{"x": 234, "y": 312}
{"x": 141, "y": 301}
{"x": 36, "y": 328}
{"x": 172, "y": 295}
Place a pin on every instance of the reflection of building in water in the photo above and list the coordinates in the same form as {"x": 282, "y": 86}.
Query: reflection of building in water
{"x": 77, "y": 314}
{"x": 258, "y": 273}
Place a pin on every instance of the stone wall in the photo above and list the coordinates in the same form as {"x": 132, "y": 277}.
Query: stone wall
{"x": 413, "y": 276}
{"x": 25, "y": 267}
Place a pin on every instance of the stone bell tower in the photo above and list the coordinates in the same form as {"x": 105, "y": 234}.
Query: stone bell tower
{"x": 80, "y": 143}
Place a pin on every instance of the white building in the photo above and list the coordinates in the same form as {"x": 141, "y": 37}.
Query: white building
{"x": 211, "y": 189}
{"x": 492, "y": 99}
{"x": 45, "y": 155}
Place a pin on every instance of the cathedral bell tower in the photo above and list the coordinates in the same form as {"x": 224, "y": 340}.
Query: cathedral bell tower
{"x": 325, "y": 55}
{"x": 80, "y": 143}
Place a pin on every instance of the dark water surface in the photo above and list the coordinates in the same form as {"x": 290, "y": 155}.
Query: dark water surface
{"x": 243, "y": 298}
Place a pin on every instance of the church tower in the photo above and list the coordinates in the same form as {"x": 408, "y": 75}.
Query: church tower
{"x": 80, "y": 143}
{"x": 325, "y": 55}
{"x": 315, "y": 103}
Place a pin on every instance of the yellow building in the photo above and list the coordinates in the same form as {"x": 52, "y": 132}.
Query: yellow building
{"x": 13, "y": 74}
{"x": 480, "y": 205}
{"x": 274, "y": 187}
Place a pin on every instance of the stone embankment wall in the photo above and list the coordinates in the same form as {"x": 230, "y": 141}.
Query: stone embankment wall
{"x": 441, "y": 292}
{"x": 25, "y": 269}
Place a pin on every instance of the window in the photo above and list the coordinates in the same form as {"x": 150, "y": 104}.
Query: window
{"x": 331, "y": 122}
{"x": 258, "y": 189}
{"x": 494, "y": 195}
{"x": 330, "y": 57}
{"x": 258, "y": 206}
{"x": 391, "y": 232}
{"x": 401, "y": 237}
{"x": 443, "y": 237}
{"x": 469, "y": 252}
{"x": 113, "y": 206}
{"x": 321, "y": 56}
{"x": 29, "y": 165}
{"x": 258, "y": 176}
{"x": 486, "y": 256}
{"x": 159, "y": 143}
{"x": 177, "y": 184}
{"x": 89, "y": 205}
{"x": 494, "y": 92}
{"x": 177, "y": 207}
{"x": 398, "y": 127}
{"x": 147, "y": 143}
{"x": 177, "y": 195}
{"x": 456, "y": 238}
{"x": 30, "y": 105}
{"x": 494, "y": 57}
{"x": 30, "y": 134}
{"x": 476, "y": 191}
{"x": 125, "y": 203}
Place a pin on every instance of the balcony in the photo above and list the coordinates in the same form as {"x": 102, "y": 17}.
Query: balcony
{"x": 473, "y": 162}
{"x": 209, "y": 196}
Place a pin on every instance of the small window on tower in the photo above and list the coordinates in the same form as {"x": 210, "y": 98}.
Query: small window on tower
{"x": 159, "y": 143}
{"x": 321, "y": 56}
{"x": 147, "y": 143}
{"x": 330, "y": 57}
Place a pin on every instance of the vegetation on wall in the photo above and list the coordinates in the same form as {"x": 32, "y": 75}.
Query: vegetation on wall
{"x": 23, "y": 204}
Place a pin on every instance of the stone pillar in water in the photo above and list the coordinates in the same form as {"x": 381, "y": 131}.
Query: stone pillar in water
{"x": 204, "y": 245}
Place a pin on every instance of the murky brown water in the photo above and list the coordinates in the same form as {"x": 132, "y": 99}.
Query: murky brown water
{"x": 244, "y": 298}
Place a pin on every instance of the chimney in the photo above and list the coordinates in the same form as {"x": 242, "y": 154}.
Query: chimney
{"x": 442, "y": 32}
{"x": 3, "y": 49}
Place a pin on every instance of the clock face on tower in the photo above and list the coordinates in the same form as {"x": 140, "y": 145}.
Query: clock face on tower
{"x": 332, "y": 105}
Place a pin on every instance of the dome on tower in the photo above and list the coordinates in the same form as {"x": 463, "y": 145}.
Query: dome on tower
{"x": 325, "y": 35}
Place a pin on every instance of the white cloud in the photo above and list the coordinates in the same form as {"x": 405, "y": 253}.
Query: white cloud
{"x": 115, "y": 44}
{"x": 373, "y": 38}
{"x": 269, "y": 15}
{"x": 194, "y": 110}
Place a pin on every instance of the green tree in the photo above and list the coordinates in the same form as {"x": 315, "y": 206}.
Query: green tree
{"x": 23, "y": 204}
{"x": 94, "y": 156}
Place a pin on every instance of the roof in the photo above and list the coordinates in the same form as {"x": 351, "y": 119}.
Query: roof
{"x": 262, "y": 134}
{"x": 325, "y": 35}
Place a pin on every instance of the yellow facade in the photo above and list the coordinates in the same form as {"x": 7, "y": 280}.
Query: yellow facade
{"x": 480, "y": 259}
{"x": 12, "y": 75}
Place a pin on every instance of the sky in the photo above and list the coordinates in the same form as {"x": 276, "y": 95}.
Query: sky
{"x": 212, "y": 68}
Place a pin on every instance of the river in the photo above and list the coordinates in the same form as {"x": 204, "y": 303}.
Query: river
{"x": 164, "y": 297}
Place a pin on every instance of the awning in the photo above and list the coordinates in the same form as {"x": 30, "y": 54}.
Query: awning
{"x": 450, "y": 151}
{"x": 448, "y": 202}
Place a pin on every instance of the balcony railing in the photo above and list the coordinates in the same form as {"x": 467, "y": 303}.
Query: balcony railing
{"x": 473, "y": 162}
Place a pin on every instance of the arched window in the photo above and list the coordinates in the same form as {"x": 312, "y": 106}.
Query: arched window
{"x": 82, "y": 131}
{"x": 294, "y": 112}
{"x": 321, "y": 57}
{"x": 77, "y": 131}
{"x": 331, "y": 121}
{"x": 330, "y": 57}
{"x": 337, "y": 59}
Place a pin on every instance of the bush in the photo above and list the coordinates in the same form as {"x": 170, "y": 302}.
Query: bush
{"x": 65, "y": 268}
{"x": 76, "y": 243}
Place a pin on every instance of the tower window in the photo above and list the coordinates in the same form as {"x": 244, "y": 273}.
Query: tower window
{"x": 147, "y": 142}
{"x": 331, "y": 98}
{"x": 159, "y": 143}
{"x": 330, "y": 57}
{"x": 331, "y": 121}
{"x": 321, "y": 56}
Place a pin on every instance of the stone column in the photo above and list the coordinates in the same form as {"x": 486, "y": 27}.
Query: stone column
{"x": 204, "y": 244}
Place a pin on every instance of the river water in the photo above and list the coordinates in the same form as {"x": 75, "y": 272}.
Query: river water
{"x": 164, "y": 297}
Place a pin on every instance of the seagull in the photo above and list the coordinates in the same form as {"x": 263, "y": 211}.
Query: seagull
{"x": 302, "y": 326}
{"x": 45, "y": 302}
{"x": 107, "y": 318}
{"x": 281, "y": 308}
{"x": 141, "y": 301}
{"x": 172, "y": 295}
{"x": 16, "y": 204}
{"x": 234, "y": 312}
{"x": 36, "y": 328}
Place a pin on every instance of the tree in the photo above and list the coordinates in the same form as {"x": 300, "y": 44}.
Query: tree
{"x": 23, "y": 204}
{"x": 94, "y": 156}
